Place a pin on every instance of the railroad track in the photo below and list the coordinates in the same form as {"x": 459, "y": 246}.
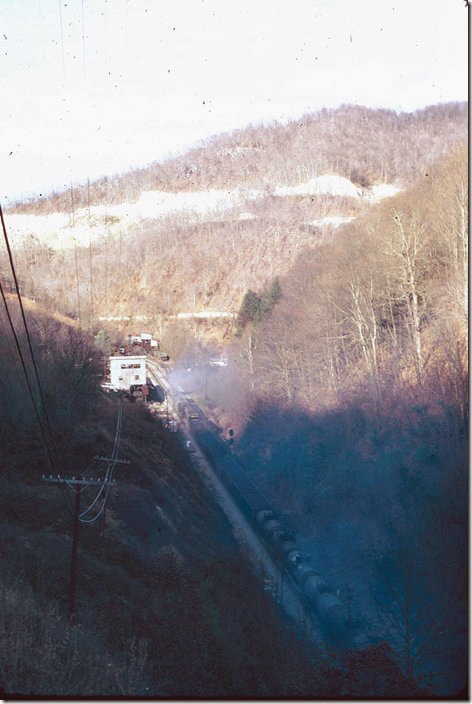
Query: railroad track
{"x": 276, "y": 580}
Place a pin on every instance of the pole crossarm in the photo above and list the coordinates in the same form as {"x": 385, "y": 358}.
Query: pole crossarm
{"x": 84, "y": 482}
{"x": 111, "y": 460}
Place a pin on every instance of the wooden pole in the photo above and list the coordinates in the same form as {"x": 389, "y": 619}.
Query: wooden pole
{"x": 75, "y": 545}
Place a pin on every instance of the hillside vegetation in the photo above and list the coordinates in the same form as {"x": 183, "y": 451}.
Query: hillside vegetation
{"x": 355, "y": 414}
{"x": 347, "y": 387}
{"x": 123, "y": 259}
{"x": 365, "y": 145}
{"x": 347, "y": 378}
{"x": 168, "y": 605}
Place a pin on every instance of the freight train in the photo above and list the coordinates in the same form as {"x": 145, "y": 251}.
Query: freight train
{"x": 278, "y": 537}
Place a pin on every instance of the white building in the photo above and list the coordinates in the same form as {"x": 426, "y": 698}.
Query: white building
{"x": 126, "y": 371}
{"x": 143, "y": 340}
{"x": 148, "y": 340}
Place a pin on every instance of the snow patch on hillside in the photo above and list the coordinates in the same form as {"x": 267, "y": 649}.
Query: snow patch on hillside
{"x": 55, "y": 230}
{"x": 65, "y": 230}
{"x": 333, "y": 220}
{"x": 205, "y": 314}
{"x": 382, "y": 190}
{"x": 153, "y": 204}
{"x": 42, "y": 227}
{"x": 334, "y": 185}
{"x": 114, "y": 318}
{"x": 328, "y": 184}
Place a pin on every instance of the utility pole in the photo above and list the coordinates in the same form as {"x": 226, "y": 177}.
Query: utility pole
{"x": 75, "y": 545}
{"x": 111, "y": 461}
{"x": 79, "y": 484}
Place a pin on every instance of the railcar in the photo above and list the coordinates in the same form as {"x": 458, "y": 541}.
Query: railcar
{"x": 246, "y": 493}
{"x": 278, "y": 537}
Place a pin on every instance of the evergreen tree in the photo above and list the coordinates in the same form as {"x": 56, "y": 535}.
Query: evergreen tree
{"x": 103, "y": 342}
{"x": 255, "y": 308}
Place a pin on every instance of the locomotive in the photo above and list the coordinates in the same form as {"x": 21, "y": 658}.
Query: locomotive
{"x": 278, "y": 537}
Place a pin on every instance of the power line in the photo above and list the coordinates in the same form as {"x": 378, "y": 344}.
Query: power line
{"x": 83, "y": 43}
{"x": 72, "y": 209}
{"x": 90, "y": 256}
{"x": 106, "y": 243}
{"x": 79, "y": 484}
{"x": 33, "y": 400}
{"x": 72, "y": 221}
{"x": 30, "y": 346}
{"x": 23, "y": 364}
{"x": 62, "y": 43}
{"x": 106, "y": 422}
{"x": 112, "y": 462}
{"x": 6, "y": 375}
{"x": 10, "y": 349}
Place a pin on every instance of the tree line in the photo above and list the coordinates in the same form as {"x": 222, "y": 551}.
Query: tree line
{"x": 363, "y": 144}
{"x": 355, "y": 417}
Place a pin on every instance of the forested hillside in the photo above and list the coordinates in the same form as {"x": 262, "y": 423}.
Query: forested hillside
{"x": 104, "y": 255}
{"x": 358, "y": 418}
{"x": 347, "y": 386}
{"x": 167, "y": 603}
{"x": 366, "y": 146}
{"x": 346, "y": 379}
{"x": 370, "y": 305}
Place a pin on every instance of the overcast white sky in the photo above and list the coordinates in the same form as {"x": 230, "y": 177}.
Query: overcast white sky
{"x": 92, "y": 87}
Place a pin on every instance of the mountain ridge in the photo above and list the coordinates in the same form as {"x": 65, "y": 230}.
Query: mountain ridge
{"x": 364, "y": 144}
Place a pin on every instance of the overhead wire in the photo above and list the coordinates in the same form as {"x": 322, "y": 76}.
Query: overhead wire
{"x": 97, "y": 461}
{"x": 84, "y": 64}
{"x": 117, "y": 435}
{"x": 76, "y": 259}
{"x": 46, "y": 418}
{"x": 62, "y": 42}
{"x": 25, "y": 371}
{"x": 83, "y": 43}
{"x": 13, "y": 355}
{"x": 90, "y": 256}
{"x": 107, "y": 484}
{"x": 107, "y": 420}
{"x": 30, "y": 347}
{"x": 6, "y": 375}
{"x": 107, "y": 425}
{"x": 33, "y": 400}
{"x": 109, "y": 473}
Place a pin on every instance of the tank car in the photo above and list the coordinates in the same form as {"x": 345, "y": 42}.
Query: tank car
{"x": 280, "y": 540}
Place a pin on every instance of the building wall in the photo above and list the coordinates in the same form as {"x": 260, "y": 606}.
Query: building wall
{"x": 125, "y": 371}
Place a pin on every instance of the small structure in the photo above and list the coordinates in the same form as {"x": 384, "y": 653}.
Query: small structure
{"x": 148, "y": 340}
{"x": 127, "y": 371}
{"x": 143, "y": 340}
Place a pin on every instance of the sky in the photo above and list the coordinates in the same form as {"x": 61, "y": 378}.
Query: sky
{"x": 96, "y": 87}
